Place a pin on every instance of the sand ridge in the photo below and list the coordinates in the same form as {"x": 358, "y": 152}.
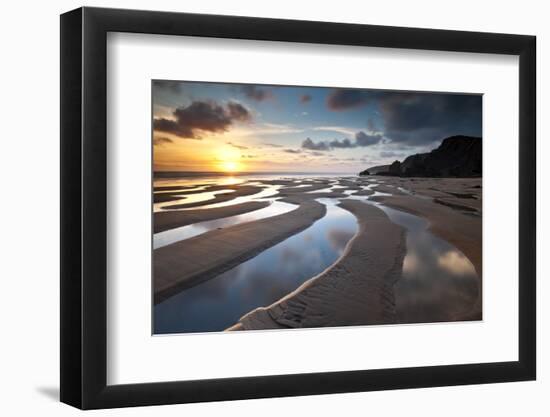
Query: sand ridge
{"x": 222, "y": 197}
{"x": 166, "y": 220}
{"x": 461, "y": 230}
{"x": 356, "y": 290}
{"x": 189, "y": 262}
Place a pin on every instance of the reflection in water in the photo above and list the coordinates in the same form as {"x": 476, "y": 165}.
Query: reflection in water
{"x": 438, "y": 283}
{"x": 185, "y": 232}
{"x": 190, "y": 198}
{"x": 456, "y": 263}
{"x": 322, "y": 190}
{"x": 187, "y": 190}
{"x": 218, "y": 303}
{"x": 198, "y": 181}
{"x": 266, "y": 192}
{"x": 404, "y": 190}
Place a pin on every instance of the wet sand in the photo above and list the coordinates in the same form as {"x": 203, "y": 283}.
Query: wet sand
{"x": 166, "y": 220}
{"x": 171, "y": 193}
{"x": 458, "y": 221}
{"x": 357, "y": 290}
{"x": 177, "y": 187}
{"x": 221, "y": 197}
{"x": 189, "y": 262}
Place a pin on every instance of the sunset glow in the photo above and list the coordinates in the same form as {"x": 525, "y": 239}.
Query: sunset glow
{"x": 230, "y": 166}
{"x": 236, "y": 128}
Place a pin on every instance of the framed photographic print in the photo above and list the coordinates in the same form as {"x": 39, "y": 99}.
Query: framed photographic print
{"x": 258, "y": 207}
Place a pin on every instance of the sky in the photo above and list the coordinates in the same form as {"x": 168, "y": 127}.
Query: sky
{"x": 223, "y": 127}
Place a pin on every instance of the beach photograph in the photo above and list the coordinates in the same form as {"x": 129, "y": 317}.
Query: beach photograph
{"x": 280, "y": 207}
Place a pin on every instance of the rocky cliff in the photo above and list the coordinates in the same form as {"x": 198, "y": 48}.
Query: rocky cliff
{"x": 457, "y": 156}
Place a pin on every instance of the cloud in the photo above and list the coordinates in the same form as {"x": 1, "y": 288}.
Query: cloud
{"x": 418, "y": 119}
{"x": 343, "y": 99}
{"x": 202, "y": 116}
{"x": 238, "y": 112}
{"x": 259, "y": 129}
{"x": 319, "y": 146}
{"x": 256, "y": 93}
{"x": 159, "y": 141}
{"x": 305, "y": 98}
{"x": 292, "y": 150}
{"x": 361, "y": 140}
{"x": 339, "y": 129}
{"x": 272, "y": 145}
{"x": 344, "y": 143}
{"x": 248, "y": 156}
{"x": 241, "y": 147}
{"x": 414, "y": 118}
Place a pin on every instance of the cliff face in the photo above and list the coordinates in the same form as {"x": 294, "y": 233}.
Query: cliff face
{"x": 457, "y": 156}
{"x": 375, "y": 170}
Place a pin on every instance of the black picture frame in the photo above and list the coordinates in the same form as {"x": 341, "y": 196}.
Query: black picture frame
{"x": 84, "y": 207}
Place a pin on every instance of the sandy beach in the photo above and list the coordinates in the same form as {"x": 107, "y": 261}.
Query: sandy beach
{"x": 357, "y": 288}
{"x": 454, "y": 214}
{"x": 192, "y": 261}
{"x": 166, "y": 220}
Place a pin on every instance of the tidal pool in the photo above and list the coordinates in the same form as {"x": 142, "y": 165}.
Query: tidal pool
{"x": 220, "y": 302}
{"x": 190, "y": 198}
{"x": 438, "y": 282}
{"x": 185, "y": 232}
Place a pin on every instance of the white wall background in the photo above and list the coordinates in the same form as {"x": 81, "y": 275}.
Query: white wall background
{"x": 29, "y": 270}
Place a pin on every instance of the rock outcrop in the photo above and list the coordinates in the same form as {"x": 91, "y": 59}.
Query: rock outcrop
{"x": 457, "y": 156}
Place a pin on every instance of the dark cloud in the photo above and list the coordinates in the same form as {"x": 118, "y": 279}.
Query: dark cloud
{"x": 248, "y": 156}
{"x": 344, "y": 143}
{"x": 319, "y": 146}
{"x": 238, "y": 112}
{"x": 343, "y": 99}
{"x": 419, "y": 119}
{"x": 305, "y": 98}
{"x": 241, "y": 147}
{"x": 159, "y": 141}
{"x": 292, "y": 150}
{"x": 361, "y": 140}
{"x": 256, "y": 93}
{"x": 415, "y": 118}
{"x": 202, "y": 116}
{"x": 272, "y": 145}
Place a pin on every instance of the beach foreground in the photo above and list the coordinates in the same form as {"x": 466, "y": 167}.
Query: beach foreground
{"x": 365, "y": 238}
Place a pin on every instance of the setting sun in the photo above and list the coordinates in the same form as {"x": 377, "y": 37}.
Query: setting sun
{"x": 230, "y": 166}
